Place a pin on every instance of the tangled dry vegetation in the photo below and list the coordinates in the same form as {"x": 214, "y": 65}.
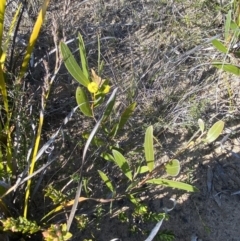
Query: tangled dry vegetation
{"x": 159, "y": 55}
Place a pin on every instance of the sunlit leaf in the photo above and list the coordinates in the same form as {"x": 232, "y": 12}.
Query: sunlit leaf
{"x": 83, "y": 56}
{"x": 60, "y": 207}
{"x": 120, "y": 160}
{"x": 72, "y": 65}
{"x": 172, "y": 167}
{"x": 148, "y": 148}
{"x": 83, "y": 102}
{"x": 143, "y": 169}
{"x": 201, "y": 125}
{"x": 219, "y": 46}
{"x": 132, "y": 199}
{"x": 9, "y": 35}
{"x": 173, "y": 184}
{"x": 33, "y": 38}
{"x": 2, "y": 14}
{"x": 233, "y": 69}
{"x": 3, "y": 89}
{"x": 215, "y": 131}
{"x": 106, "y": 180}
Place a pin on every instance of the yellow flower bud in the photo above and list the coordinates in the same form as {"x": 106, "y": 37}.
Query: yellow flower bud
{"x": 93, "y": 87}
{"x": 106, "y": 89}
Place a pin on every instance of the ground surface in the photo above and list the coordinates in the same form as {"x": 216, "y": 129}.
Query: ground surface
{"x": 158, "y": 53}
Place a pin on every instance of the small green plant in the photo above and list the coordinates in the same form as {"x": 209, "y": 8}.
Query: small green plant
{"x": 134, "y": 181}
{"x": 82, "y": 221}
{"x": 96, "y": 86}
{"x": 55, "y": 195}
{"x": 165, "y": 235}
{"x": 231, "y": 38}
{"x": 229, "y": 46}
{"x": 21, "y": 225}
{"x": 57, "y": 233}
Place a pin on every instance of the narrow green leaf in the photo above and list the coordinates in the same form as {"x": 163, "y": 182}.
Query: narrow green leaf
{"x": 233, "y": 26}
{"x": 83, "y": 102}
{"x": 3, "y": 90}
{"x": 143, "y": 169}
{"x": 172, "y": 167}
{"x": 123, "y": 119}
{"x": 132, "y": 199}
{"x": 219, "y": 46}
{"x": 33, "y": 39}
{"x": 83, "y": 56}
{"x": 109, "y": 108}
{"x": 106, "y": 156}
{"x": 2, "y": 14}
{"x": 148, "y": 148}
{"x": 233, "y": 69}
{"x": 9, "y": 35}
{"x": 126, "y": 114}
{"x": 106, "y": 180}
{"x": 201, "y": 125}
{"x": 215, "y": 131}
{"x": 173, "y": 184}
{"x": 132, "y": 185}
{"x": 227, "y": 25}
{"x": 120, "y": 160}
{"x": 72, "y": 65}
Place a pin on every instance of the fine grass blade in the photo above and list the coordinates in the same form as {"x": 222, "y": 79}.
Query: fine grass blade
{"x": 148, "y": 148}
{"x": 2, "y": 79}
{"x": 106, "y": 180}
{"x": 227, "y": 25}
{"x": 120, "y": 160}
{"x": 173, "y": 167}
{"x": 33, "y": 161}
{"x": 9, "y": 35}
{"x": 72, "y": 65}
{"x": 230, "y": 68}
{"x": 143, "y": 169}
{"x": 83, "y": 102}
{"x": 83, "y": 56}
{"x": 33, "y": 38}
{"x": 3, "y": 90}
{"x": 2, "y": 14}
{"x": 106, "y": 156}
{"x": 215, "y": 131}
{"x": 173, "y": 184}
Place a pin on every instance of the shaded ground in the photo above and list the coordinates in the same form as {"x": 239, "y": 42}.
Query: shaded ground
{"x": 158, "y": 54}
